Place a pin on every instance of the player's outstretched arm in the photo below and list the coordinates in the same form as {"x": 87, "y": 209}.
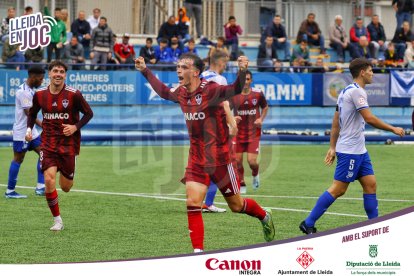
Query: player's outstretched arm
{"x": 161, "y": 89}
{"x": 378, "y": 123}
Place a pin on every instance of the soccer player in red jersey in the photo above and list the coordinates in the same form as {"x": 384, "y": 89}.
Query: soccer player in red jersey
{"x": 209, "y": 155}
{"x": 60, "y": 105}
{"x": 250, "y": 109}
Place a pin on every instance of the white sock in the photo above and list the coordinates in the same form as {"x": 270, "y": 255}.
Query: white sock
{"x": 40, "y": 185}
{"x": 9, "y": 191}
{"x": 57, "y": 219}
{"x": 197, "y": 250}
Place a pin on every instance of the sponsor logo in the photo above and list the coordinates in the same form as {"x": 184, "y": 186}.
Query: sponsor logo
{"x": 373, "y": 251}
{"x": 361, "y": 101}
{"x": 227, "y": 191}
{"x": 194, "y": 116}
{"x": 189, "y": 101}
{"x": 246, "y": 112}
{"x": 65, "y": 103}
{"x": 198, "y": 99}
{"x": 245, "y": 267}
{"x": 54, "y": 104}
{"x": 350, "y": 174}
{"x": 305, "y": 259}
{"x": 246, "y": 102}
{"x": 31, "y": 31}
{"x": 54, "y": 116}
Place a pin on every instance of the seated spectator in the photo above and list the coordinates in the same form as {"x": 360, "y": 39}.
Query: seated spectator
{"x": 183, "y": 23}
{"x": 391, "y": 57}
{"x": 378, "y": 37}
{"x": 356, "y": 31}
{"x": 124, "y": 52}
{"x": 113, "y": 63}
{"x": 175, "y": 49}
{"x": 280, "y": 40}
{"x": 380, "y": 67}
{"x": 232, "y": 31}
{"x": 163, "y": 53}
{"x": 191, "y": 48}
{"x": 74, "y": 54}
{"x": 409, "y": 56}
{"x": 82, "y": 30}
{"x": 220, "y": 46}
{"x": 148, "y": 52}
{"x": 34, "y": 55}
{"x": 278, "y": 66}
{"x": 266, "y": 55}
{"x": 362, "y": 50}
{"x": 310, "y": 32}
{"x": 301, "y": 50}
{"x": 298, "y": 65}
{"x": 4, "y": 34}
{"x": 11, "y": 53}
{"x": 101, "y": 43}
{"x": 321, "y": 67}
{"x": 339, "y": 39}
{"x": 168, "y": 30}
{"x": 402, "y": 37}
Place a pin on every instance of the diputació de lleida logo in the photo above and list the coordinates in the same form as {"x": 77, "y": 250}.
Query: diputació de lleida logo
{"x": 373, "y": 250}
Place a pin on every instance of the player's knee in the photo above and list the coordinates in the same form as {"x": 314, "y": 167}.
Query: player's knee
{"x": 66, "y": 189}
{"x": 193, "y": 202}
{"x": 235, "y": 207}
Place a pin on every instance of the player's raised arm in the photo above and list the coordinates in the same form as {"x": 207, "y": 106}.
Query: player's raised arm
{"x": 161, "y": 89}
{"x": 31, "y": 118}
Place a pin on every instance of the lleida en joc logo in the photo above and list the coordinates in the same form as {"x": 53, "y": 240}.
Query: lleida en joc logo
{"x": 30, "y": 31}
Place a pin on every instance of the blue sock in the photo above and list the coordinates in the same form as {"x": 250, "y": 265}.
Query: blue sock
{"x": 13, "y": 172}
{"x": 323, "y": 203}
{"x": 371, "y": 205}
{"x": 211, "y": 194}
{"x": 40, "y": 177}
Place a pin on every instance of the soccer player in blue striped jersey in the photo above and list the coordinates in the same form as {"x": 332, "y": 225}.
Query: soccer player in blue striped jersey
{"x": 24, "y": 96}
{"x": 348, "y": 144}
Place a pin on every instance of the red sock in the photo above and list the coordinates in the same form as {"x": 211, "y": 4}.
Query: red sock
{"x": 196, "y": 226}
{"x": 241, "y": 173}
{"x": 252, "y": 208}
{"x": 255, "y": 169}
{"x": 52, "y": 201}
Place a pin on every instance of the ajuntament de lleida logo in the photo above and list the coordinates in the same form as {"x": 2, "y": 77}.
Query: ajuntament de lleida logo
{"x": 373, "y": 250}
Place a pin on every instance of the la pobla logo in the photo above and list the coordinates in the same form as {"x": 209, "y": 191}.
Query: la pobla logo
{"x": 30, "y": 31}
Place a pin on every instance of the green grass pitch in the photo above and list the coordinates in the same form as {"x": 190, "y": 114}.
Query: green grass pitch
{"x": 127, "y": 202}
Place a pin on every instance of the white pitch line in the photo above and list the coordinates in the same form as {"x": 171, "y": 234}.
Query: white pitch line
{"x": 183, "y": 199}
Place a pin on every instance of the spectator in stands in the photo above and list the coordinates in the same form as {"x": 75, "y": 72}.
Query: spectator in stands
{"x": 74, "y": 53}
{"x": 378, "y": 37}
{"x": 57, "y": 35}
{"x": 11, "y": 53}
{"x": 220, "y": 46}
{"x": 391, "y": 57}
{"x": 339, "y": 39}
{"x": 82, "y": 30}
{"x": 34, "y": 55}
{"x": 11, "y": 13}
{"x": 124, "y": 52}
{"x": 266, "y": 55}
{"x": 175, "y": 49}
{"x": 362, "y": 50}
{"x": 321, "y": 67}
{"x": 191, "y": 48}
{"x": 101, "y": 43}
{"x": 163, "y": 53}
{"x": 280, "y": 40}
{"x": 194, "y": 7}
{"x": 403, "y": 11}
{"x": 112, "y": 62}
{"x": 409, "y": 56}
{"x": 94, "y": 19}
{"x": 356, "y": 31}
{"x": 380, "y": 67}
{"x": 402, "y": 37}
{"x": 148, "y": 52}
{"x": 278, "y": 66}
{"x": 301, "y": 51}
{"x": 232, "y": 32}
{"x": 66, "y": 20}
{"x": 297, "y": 65}
{"x": 309, "y": 30}
{"x": 168, "y": 30}
{"x": 28, "y": 10}
{"x": 183, "y": 23}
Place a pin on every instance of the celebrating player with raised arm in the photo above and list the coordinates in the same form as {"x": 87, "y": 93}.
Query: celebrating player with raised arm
{"x": 348, "y": 144}
{"x": 60, "y": 105}
{"x": 209, "y": 155}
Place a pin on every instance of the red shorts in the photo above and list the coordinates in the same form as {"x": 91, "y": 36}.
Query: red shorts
{"x": 249, "y": 147}
{"x": 225, "y": 177}
{"x": 64, "y": 163}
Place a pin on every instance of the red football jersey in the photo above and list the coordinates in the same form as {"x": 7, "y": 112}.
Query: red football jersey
{"x": 58, "y": 109}
{"x": 248, "y": 108}
{"x": 204, "y": 117}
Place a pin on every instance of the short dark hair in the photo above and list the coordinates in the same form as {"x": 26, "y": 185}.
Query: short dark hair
{"x": 149, "y": 39}
{"x": 58, "y": 9}
{"x": 249, "y": 73}
{"x": 197, "y": 61}
{"x": 104, "y": 18}
{"x": 218, "y": 55}
{"x": 28, "y": 8}
{"x": 163, "y": 40}
{"x": 36, "y": 70}
{"x": 232, "y": 17}
{"x": 57, "y": 63}
{"x": 357, "y": 65}
{"x": 220, "y": 38}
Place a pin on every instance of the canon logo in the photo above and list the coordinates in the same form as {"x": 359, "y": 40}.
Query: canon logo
{"x": 195, "y": 116}
{"x": 214, "y": 264}
{"x": 53, "y": 116}
{"x": 246, "y": 112}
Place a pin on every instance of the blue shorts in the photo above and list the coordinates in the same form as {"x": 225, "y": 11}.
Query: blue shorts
{"x": 23, "y": 146}
{"x": 352, "y": 166}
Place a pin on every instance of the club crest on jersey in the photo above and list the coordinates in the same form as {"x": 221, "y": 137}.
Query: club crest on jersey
{"x": 65, "y": 103}
{"x": 198, "y": 99}
{"x": 254, "y": 101}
